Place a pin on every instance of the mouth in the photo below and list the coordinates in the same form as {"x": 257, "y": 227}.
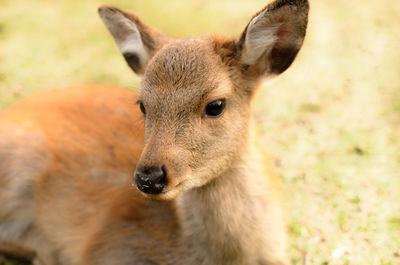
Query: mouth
{"x": 168, "y": 193}
{"x": 171, "y": 192}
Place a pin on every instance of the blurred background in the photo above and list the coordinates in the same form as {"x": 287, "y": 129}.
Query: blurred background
{"x": 331, "y": 122}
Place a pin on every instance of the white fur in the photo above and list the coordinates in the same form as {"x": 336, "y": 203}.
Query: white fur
{"x": 125, "y": 33}
{"x": 260, "y": 38}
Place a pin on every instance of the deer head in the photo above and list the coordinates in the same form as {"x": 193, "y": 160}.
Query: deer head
{"x": 196, "y": 93}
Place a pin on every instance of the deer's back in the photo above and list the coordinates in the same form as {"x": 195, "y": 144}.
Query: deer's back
{"x": 67, "y": 158}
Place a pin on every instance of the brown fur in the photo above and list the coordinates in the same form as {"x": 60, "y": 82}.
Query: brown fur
{"x": 68, "y": 156}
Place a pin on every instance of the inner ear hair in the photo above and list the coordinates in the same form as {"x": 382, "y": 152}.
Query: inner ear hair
{"x": 274, "y": 36}
{"x": 136, "y": 41}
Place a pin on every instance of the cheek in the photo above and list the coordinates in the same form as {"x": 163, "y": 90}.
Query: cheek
{"x": 218, "y": 140}
{"x": 229, "y": 127}
{"x": 212, "y": 139}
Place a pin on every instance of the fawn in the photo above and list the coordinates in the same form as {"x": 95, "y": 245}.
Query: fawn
{"x": 89, "y": 177}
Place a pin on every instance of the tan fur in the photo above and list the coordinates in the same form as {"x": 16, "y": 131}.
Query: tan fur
{"x": 68, "y": 156}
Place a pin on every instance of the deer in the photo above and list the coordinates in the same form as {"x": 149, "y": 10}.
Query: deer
{"x": 172, "y": 174}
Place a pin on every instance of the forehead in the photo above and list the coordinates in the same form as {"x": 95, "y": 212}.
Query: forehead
{"x": 182, "y": 66}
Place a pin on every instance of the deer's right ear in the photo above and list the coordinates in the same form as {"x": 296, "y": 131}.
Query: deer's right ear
{"x": 136, "y": 41}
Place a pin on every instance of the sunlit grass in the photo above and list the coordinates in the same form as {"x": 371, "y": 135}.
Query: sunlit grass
{"x": 331, "y": 121}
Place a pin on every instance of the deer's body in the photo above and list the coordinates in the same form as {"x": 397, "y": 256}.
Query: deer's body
{"x": 68, "y": 156}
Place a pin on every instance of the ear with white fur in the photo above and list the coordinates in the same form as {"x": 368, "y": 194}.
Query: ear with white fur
{"x": 136, "y": 41}
{"x": 274, "y": 36}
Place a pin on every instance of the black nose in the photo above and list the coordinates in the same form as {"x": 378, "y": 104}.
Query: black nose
{"x": 151, "y": 180}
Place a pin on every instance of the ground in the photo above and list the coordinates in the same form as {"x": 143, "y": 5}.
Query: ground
{"x": 332, "y": 121}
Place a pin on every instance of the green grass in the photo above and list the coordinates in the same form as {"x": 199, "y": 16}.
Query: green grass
{"x": 331, "y": 121}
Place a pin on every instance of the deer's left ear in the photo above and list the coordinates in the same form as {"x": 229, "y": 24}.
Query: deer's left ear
{"x": 272, "y": 39}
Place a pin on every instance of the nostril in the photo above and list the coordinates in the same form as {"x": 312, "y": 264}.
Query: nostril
{"x": 151, "y": 180}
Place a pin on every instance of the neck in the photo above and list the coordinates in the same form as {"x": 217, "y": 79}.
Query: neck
{"x": 226, "y": 221}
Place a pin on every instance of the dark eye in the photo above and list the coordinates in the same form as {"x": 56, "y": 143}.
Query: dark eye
{"x": 215, "y": 108}
{"x": 142, "y": 109}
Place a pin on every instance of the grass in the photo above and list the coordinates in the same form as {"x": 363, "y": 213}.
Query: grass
{"x": 331, "y": 121}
